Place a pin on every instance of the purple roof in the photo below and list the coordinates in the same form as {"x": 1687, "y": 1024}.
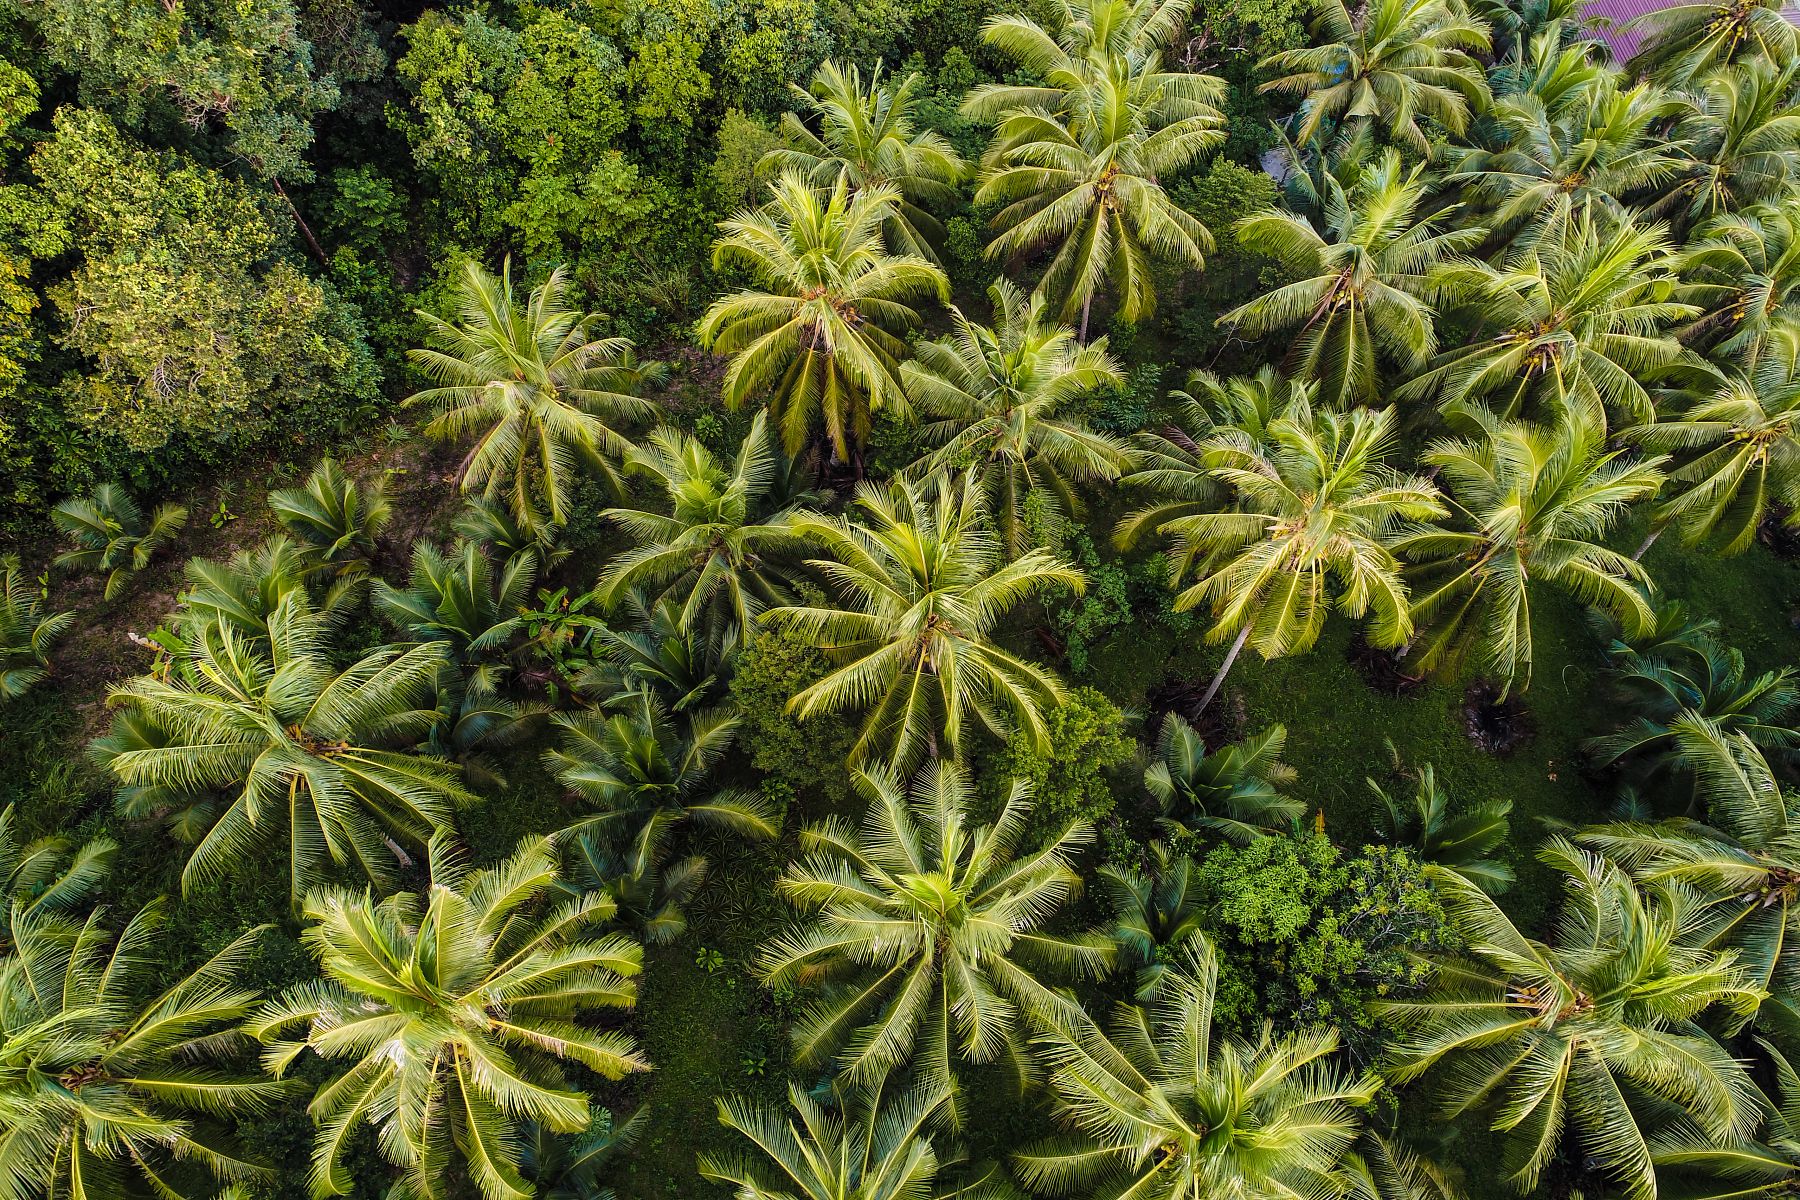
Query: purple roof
{"x": 1607, "y": 20}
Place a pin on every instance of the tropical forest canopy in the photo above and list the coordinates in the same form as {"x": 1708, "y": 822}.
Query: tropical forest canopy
{"x": 897, "y": 599}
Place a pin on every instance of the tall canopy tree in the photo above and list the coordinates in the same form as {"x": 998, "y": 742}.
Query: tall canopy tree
{"x": 293, "y": 741}
{"x": 536, "y": 389}
{"x": 1388, "y": 63}
{"x": 1006, "y": 402}
{"x": 928, "y": 929}
{"x": 1687, "y": 41}
{"x": 1368, "y": 272}
{"x": 1590, "y": 149}
{"x": 1160, "y": 1108}
{"x": 1740, "y": 140}
{"x": 823, "y": 332}
{"x": 1530, "y": 507}
{"x": 922, "y": 583}
{"x": 869, "y": 132}
{"x": 1559, "y": 1035}
{"x": 1743, "y": 270}
{"x": 109, "y": 1088}
{"x": 447, "y": 1018}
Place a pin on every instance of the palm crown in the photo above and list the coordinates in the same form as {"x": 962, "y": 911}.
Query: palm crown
{"x": 1531, "y": 506}
{"x": 822, "y": 334}
{"x": 1390, "y": 62}
{"x": 539, "y": 393}
{"x": 1002, "y": 398}
{"x": 1315, "y": 514}
{"x": 1557, "y": 1034}
{"x": 923, "y": 583}
{"x": 1368, "y": 268}
{"x": 1076, "y": 165}
{"x": 1160, "y": 1108}
{"x": 453, "y": 1013}
{"x": 714, "y": 555}
{"x": 928, "y": 925}
{"x": 868, "y": 132}
{"x": 106, "y": 1090}
{"x": 297, "y": 740}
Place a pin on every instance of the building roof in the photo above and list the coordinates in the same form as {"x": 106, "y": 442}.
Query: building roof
{"x": 1607, "y": 20}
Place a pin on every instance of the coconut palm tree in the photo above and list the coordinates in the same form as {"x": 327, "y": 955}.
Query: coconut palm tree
{"x": 1315, "y": 513}
{"x": 1571, "y": 324}
{"x": 868, "y": 132}
{"x": 1743, "y": 859}
{"x": 716, "y": 555}
{"x": 456, "y": 599}
{"x": 1559, "y": 1037}
{"x": 641, "y": 764}
{"x": 1160, "y": 1109}
{"x": 109, "y": 1088}
{"x": 1233, "y": 792}
{"x": 1743, "y": 271}
{"x": 111, "y": 534}
{"x": 1738, "y": 451}
{"x": 302, "y": 744}
{"x": 1740, "y": 140}
{"x": 1001, "y": 398}
{"x": 1388, "y": 63}
{"x": 1688, "y": 40}
{"x": 449, "y": 1019}
{"x": 1075, "y": 167}
{"x": 1531, "y": 506}
{"x": 1155, "y": 910}
{"x": 823, "y": 331}
{"x": 923, "y": 582}
{"x": 538, "y": 392}
{"x": 875, "y": 1148}
{"x": 1170, "y": 462}
{"x": 1459, "y": 842}
{"x": 334, "y": 518}
{"x": 1561, "y": 150}
{"x": 927, "y": 929}
{"x": 51, "y": 874}
{"x": 1677, "y": 670}
{"x": 1367, "y": 271}
{"x": 27, "y": 632}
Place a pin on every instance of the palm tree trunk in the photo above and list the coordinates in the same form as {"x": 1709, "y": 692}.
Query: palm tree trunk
{"x": 1085, "y": 305}
{"x": 1212, "y": 689}
{"x": 1644, "y": 546}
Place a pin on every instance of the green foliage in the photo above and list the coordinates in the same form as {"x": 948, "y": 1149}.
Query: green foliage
{"x": 808, "y": 755}
{"x": 1307, "y": 932}
{"x": 246, "y": 64}
{"x": 188, "y": 322}
{"x": 1069, "y": 772}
